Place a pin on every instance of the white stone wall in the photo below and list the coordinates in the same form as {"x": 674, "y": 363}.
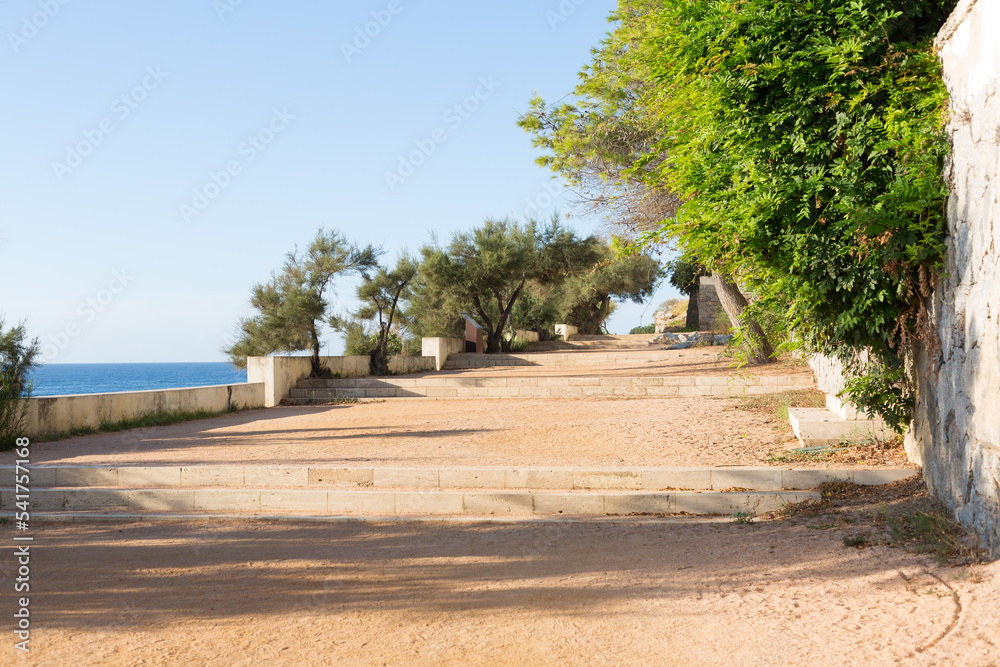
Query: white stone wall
{"x": 279, "y": 375}
{"x": 50, "y": 415}
{"x": 956, "y": 428}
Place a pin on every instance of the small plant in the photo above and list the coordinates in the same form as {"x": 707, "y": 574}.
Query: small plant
{"x": 930, "y": 531}
{"x": 645, "y": 329}
{"x": 858, "y": 541}
{"x": 148, "y": 420}
{"x": 17, "y": 360}
{"x": 743, "y": 518}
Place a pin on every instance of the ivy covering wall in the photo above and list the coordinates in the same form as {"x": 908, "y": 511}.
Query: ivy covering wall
{"x": 805, "y": 142}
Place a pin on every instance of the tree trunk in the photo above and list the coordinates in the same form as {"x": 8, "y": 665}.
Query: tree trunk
{"x": 378, "y": 361}
{"x": 734, "y": 303}
{"x": 317, "y": 370}
{"x": 693, "y": 320}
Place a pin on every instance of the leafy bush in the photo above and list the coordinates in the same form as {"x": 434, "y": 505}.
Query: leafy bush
{"x": 820, "y": 133}
{"x": 17, "y": 359}
{"x": 645, "y": 329}
{"x": 804, "y": 144}
{"x": 358, "y": 340}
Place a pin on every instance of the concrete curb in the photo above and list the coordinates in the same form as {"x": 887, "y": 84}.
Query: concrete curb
{"x": 334, "y": 477}
{"x": 311, "y": 502}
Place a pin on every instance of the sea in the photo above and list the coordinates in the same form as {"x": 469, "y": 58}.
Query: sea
{"x": 63, "y": 379}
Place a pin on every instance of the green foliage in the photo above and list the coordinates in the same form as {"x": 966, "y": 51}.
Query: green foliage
{"x": 294, "y": 303}
{"x": 358, "y": 338}
{"x": 17, "y": 360}
{"x": 487, "y": 271}
{"x": 381, "y": 298}
{"x": 806, "y": 143}
{"x": 684, "y": 274}
{"x": 584, "y": 298}
{"x": 644, "y": 329}
{"x": 509, "y": 276}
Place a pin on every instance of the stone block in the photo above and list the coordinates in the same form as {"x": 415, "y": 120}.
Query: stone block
{"x": 539, "y": 479}
{"x": 227, "y": 500}
{"x": 429, "y": 502}
{"x": 161, "y": 476}
{"x": 758, "y": 479}
{"x": 39, "y": 477}
{"x": 406, "y": 477}
{"x": 298, "y": 501}
{"x": 95, "y": 499}
{"x": 662, "y": 391}
{"x": 677, "y": 478}
{"x": 611, "y": 479}
{"x": 341, "y": 477}
{"x": 212, "y": 476}
{"x": 161, "y": 500}
{"x": 810, "y": 479}
{"x": 361, "y": 502}
{"x": 569, "y": 503}
{"x": 86, "y": 476}
{"x": 267, "y": 476}
{"x": 458, "y": 478}
{"x": 638, "y": 503}
{"x": 877, "y": 477}
{"x": 498, "y": 503}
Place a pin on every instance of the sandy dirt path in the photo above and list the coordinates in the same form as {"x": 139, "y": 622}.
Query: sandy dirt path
{"x": 605, "y": 593}
{"x": 648, "y": 432}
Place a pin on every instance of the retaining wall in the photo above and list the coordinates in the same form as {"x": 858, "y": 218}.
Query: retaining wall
{"x": 50, "y": 415}
{"x": 956, "y": 428}
{"x": 279, "y": 375}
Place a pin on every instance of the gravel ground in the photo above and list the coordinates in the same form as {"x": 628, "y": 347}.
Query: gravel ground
{"x": 532, "y": 593}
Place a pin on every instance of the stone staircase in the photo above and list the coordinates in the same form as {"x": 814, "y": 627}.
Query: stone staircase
{"x": 442, "y": 385}
{"x": 578, "y": 358}
{"x": 594, "y": 342}
{"x": 337, "y": 492}
{"x": 203, "y": 491}
{"x": 836, "y": 424}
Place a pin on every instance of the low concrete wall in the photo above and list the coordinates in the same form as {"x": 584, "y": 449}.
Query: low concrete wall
{"x": 441, "y": 349}
{"x": 528, "y": 336}
{"x": 50, "y": 415}
{"x": 956, "y": 427}
{"x": 564, "y": 331}
{"x": 279, "y": 375}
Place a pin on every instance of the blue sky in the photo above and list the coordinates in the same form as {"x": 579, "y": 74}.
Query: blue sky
{"x": 163, "y": 157}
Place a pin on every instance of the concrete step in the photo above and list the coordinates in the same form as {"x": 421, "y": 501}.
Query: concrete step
{"x": 334, "y": 477}
{"x": 402, "y": 502}
{"x": 585, "y": 345}
{"x": 819, "y": 427}
{"x": 542, "y": 387}
{"x": 641, "y": 338}
{"x": 558, "y": 359}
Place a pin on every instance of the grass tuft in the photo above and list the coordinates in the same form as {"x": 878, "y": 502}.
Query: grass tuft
{"x": 148, "y": 420}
